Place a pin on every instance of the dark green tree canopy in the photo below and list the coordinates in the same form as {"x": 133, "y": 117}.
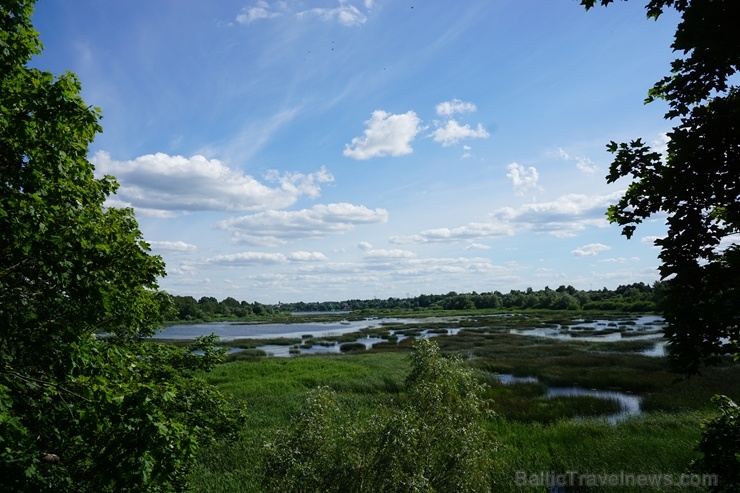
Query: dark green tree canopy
{"x": 696, "y": 184}
{"x": 79, "y": 412}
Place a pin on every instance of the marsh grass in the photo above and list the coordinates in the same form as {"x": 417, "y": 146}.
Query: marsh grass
{"x": 652, "y": 444}
{"x": 533, "y": 433}
{"x": 527, "y": 402}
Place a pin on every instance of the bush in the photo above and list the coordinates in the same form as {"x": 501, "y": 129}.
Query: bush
{"x": 720, "y": 446}
{"x": 430, "y": 442}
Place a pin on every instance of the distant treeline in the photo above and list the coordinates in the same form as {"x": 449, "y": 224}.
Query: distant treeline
{"x": 637, "y": 297}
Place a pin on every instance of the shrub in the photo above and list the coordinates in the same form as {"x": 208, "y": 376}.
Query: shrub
{"x": 720, "y": 446}
{"x": 430, "y": 442}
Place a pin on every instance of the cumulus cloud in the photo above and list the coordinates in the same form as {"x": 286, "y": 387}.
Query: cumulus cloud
{"x": 265, "y": 258}
{"x": 278, "y": 227}
{"x": 345, "y": 14}
{"x": 522, "y": 179}
{"x": 590, "y": 250}
{"x": 162, "y": 182}
{"x": 301, "y": 256}
{"x": 449, "y": 108}
{"x": 389, "y": 253}
{"x": 173, "y": 246}
{"x": 260, "y": 10}
{"x": 473, "y": 245}
{"x": 562, "y": 217}
{"x": 244, "y": 258}
{"x": 450, "y": 235}
{"x": 386, "y": 135}
{"x": 452, "y": 132}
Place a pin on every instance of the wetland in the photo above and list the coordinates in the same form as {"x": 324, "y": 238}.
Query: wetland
{"x": 587, "y": 391}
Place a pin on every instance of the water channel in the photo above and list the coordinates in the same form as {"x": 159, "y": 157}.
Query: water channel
{"x": 642, "y": 327}
{"x": 629, "y": 404}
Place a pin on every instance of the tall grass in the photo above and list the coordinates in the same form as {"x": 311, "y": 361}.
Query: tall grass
{"x": 533, "y": 434}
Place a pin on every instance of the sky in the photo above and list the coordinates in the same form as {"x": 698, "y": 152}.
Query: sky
{"x": 318, "y": 150}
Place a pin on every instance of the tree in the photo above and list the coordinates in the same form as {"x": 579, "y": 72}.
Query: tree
{"x": 80, "y": 411}
{"x": 696, "y": 184}
{"x": 431, "y": 442}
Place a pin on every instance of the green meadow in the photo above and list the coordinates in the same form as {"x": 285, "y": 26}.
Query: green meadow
{"x": 533, "y": 438}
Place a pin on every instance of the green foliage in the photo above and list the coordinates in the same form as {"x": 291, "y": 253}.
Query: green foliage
{"x": 80, "y": 412}
{"x": 695, "y": 184}
{"x": 720, "y": 446}
{"x": 432, "y": 442}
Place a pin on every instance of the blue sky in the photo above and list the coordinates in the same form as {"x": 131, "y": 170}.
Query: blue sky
{"x": 328, "y": 150}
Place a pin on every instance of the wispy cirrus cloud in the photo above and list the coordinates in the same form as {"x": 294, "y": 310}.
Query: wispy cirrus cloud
{"x": 386, "y": 135}
{"x": 273, "y": 227}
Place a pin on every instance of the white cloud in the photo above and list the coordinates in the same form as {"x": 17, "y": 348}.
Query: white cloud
{"x": 660, "y": 144}
{"x": 176, "y": 183}
{"x": 300, "y": 184}
{"x": 522, "y": 179}
{"x": 278, "y": 227}
{"x": 590, "y": 250}
{"x": 247, "y": 258}
{"x": 260, "y": 10}
{"x": 583, "y": 163}
{"x": 619, "y": 260}
{"x": 452, "y": 132}
{"x": 477, "y": 246}
{"x": 385, "y": 135}
{"x": 301, "y": 256}
{"x": 650, "y": 240}
{"x": 451, "y": 235}
{"x": 586, "y": 165}
{"x": 345, "y": 14}
{"x": 364, "y": 245}
{"x": 140, "y": 211}
{"x": 391, "y": 253}
{"x": 265, "y": 258}
{"x": 449, "y": 108}
{"x": 174, "y": 246}
{"x": 562, "y": 217}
